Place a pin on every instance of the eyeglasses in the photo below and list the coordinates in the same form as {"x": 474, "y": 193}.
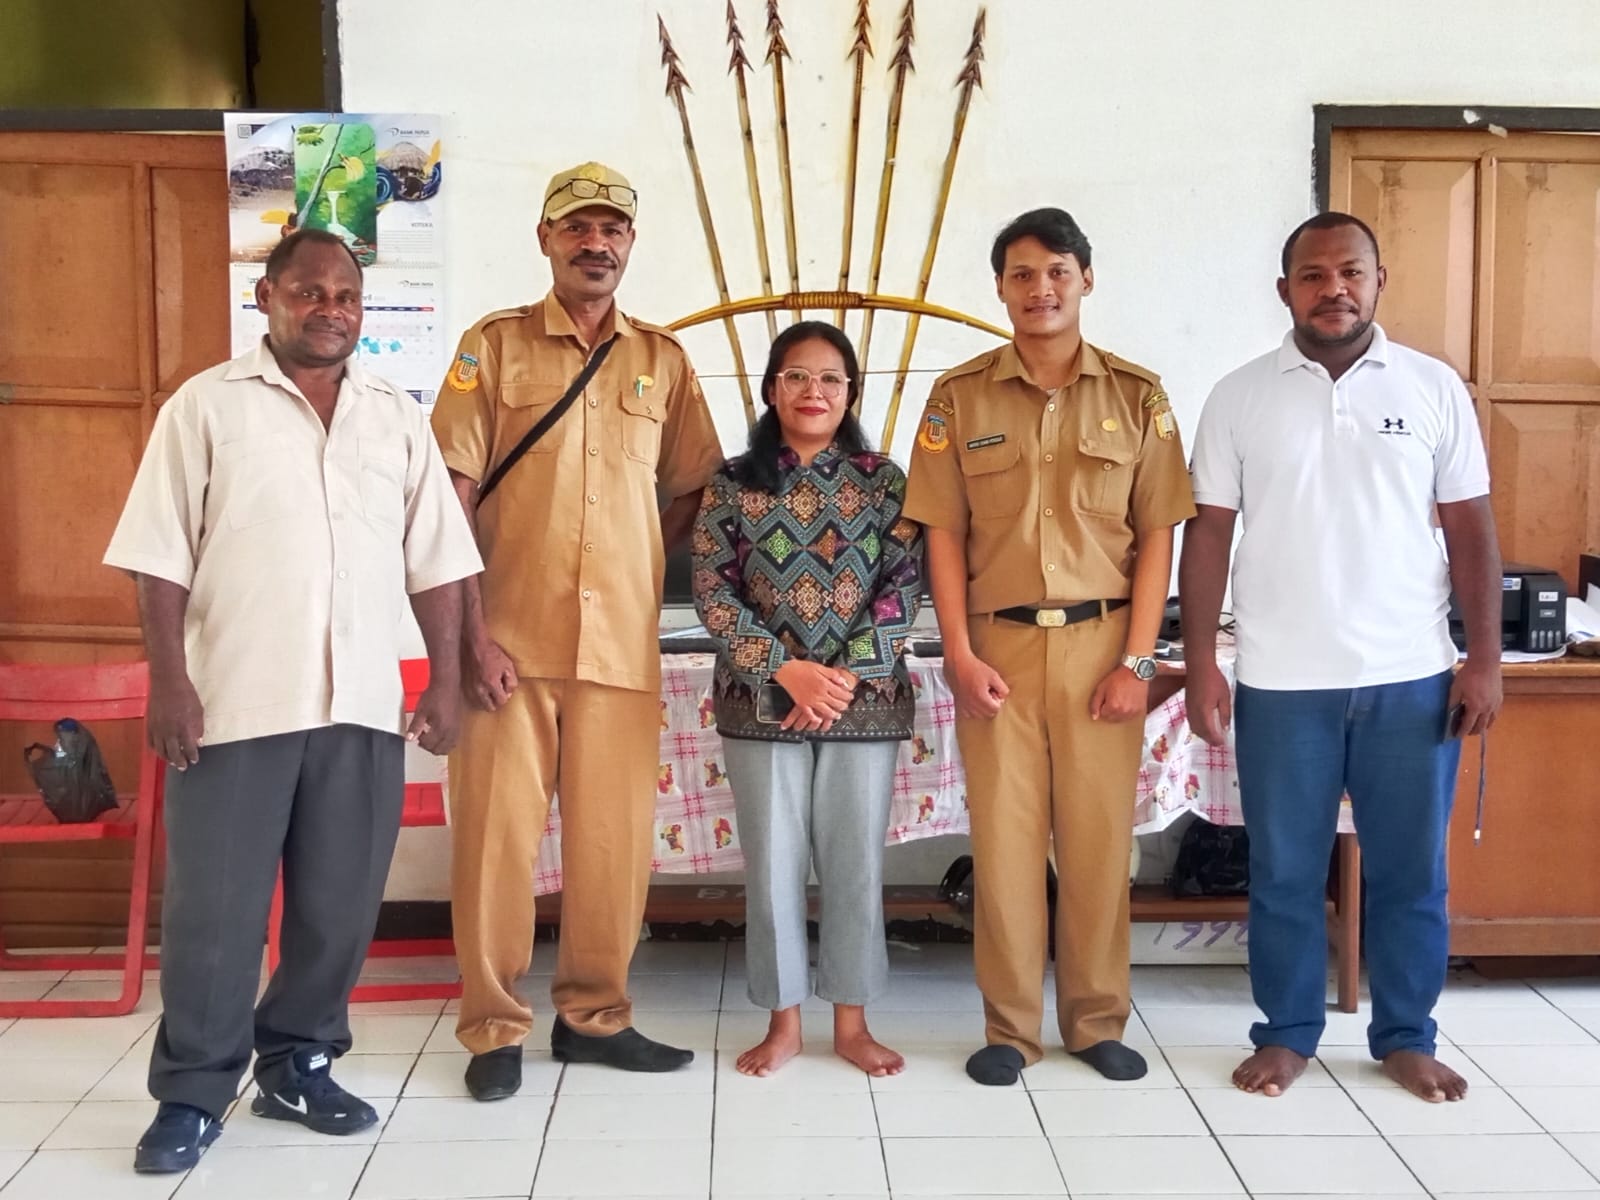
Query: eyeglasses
{"x": 829, "y": 383}
{"x": 588, "y": 189}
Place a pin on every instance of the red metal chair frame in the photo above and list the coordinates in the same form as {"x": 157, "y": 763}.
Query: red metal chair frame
{"x": 98, "y": 693}
{"x": 424, "y": 806}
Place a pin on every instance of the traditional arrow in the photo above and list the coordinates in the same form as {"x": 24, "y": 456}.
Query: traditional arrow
{"x": 677, "y": 84}
{"x": 777, "y": 51}
{"x": 738, "y": 64}
{"x": 902, "y": 66}
{"x": 860, "y": 51}
{"x": 970, "y": 79}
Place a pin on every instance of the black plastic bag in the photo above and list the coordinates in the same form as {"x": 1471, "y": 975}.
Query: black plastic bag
{"x": 1213, "y": 860}
{"x": 71, "y": 775}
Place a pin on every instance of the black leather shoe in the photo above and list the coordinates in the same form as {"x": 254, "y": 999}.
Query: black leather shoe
{"x": 626, "y": 1050}
{"x": 495, "y": 1075}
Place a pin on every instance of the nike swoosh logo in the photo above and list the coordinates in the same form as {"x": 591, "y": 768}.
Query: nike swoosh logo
{"x": 300, "y": 1107}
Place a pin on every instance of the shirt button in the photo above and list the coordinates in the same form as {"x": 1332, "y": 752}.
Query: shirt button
{"x": 1106, "y": 466}
{"x": 1049, "y": 458}
{"x": 594, "y": 499}
{"x": 593, "y": 450}
{"x": 1049, "y": 408}
{"x": 588, "y": 547}
{"x": 587, "y": 593}
{"x": 593, "y": 403}
{"x": 1049, "y": 566}
{"x": 344, "y": 574}
{"x": 1049, "y": 512}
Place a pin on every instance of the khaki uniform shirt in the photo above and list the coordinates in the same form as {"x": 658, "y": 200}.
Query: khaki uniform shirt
{"x": 297, "y": 544}
{"x": 1050, "y": 492}
{"x": 571, "y": 537}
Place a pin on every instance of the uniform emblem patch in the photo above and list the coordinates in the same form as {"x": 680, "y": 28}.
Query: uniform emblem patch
{"x": 1161, "y": 414}
{"x": 934, "y": 436}
{"x": 464, "y": 375}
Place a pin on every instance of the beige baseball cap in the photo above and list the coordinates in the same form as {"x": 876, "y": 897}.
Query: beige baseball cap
{"x": 587, "y": 185}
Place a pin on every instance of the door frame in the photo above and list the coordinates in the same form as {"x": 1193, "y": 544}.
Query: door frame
{"x": 1480, "y": 117}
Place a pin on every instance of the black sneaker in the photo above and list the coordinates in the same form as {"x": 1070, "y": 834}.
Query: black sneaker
{"x": 175, "y": 1140}
{"x": 314, "y": 1100}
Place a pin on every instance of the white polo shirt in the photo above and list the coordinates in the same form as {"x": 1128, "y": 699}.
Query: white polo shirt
{"x": 1339, "y": 579}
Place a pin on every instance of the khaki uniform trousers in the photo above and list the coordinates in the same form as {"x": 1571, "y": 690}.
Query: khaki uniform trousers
{"x": 599, "y": 748}
{"x": 1043, "y": 768}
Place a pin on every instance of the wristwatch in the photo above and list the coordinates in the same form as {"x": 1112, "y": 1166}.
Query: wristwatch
{"x": 1144, "y": 668}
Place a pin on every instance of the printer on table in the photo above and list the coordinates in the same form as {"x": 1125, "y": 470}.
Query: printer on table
{"x": 1533, "y": 613}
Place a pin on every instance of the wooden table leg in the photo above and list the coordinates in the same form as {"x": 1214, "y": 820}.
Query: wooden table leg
{"x": 1348, "y": 906}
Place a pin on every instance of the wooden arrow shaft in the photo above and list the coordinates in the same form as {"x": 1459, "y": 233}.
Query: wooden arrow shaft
{"x": 850, "y": 180}
{"x": 757, "y": 211}
{"x": 891, "y": 147}
{"x": 780, "y": 103}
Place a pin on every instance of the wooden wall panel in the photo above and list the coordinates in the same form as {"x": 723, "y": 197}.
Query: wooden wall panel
{"x": 191, "y": 267}
{"x": 1545, "y": 463}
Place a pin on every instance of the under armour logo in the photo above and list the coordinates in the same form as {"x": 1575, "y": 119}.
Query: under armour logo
{"x": 1395, "y": 423}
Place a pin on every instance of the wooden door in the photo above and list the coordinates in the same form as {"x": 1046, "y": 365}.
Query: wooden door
{"x": 1493, "y": 250}
{"x": 113, "y": 290}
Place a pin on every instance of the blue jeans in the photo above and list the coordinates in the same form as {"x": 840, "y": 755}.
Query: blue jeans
{"x": 1298, "y": 754}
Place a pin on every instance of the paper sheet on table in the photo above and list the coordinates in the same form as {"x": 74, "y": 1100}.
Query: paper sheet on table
{"x": 1583, "y": 624}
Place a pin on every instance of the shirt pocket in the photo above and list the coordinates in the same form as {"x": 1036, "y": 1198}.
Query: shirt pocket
{"x": 258, "y": 480}
{"x": 641, "y": 427}
{"x": 996, "y": 482}
{"x": 1105, "y": 477}
{"x": 383, "y": 481}
{"x": 533, "y": 402}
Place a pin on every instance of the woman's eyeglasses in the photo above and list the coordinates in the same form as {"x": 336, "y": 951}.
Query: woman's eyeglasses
{"x": 829, "y": 383}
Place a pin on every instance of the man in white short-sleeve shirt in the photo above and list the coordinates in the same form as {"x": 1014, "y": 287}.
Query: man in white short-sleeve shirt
{"x": 1337, "y": 449}
{"x": 286, "y": 506}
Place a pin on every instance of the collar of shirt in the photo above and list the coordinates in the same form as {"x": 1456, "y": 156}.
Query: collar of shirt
{"x": 260, "y": 363}
{"x": 1009, "y": 365}
{"x": 558, "y": 322}
{"x": 1291, "y": 358}
{"x": 788, "y": 460}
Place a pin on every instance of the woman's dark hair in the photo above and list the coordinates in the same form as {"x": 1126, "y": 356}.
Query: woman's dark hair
{"x": 1053, "y": 227}
{"x": 757, "y": 467}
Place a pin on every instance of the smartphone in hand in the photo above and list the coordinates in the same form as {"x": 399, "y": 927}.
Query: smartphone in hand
{"x": 1453, "y": 720}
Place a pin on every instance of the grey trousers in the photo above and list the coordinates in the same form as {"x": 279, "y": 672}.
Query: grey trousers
{"x": 327, "y": 803}
{"x": 818, "y": 802}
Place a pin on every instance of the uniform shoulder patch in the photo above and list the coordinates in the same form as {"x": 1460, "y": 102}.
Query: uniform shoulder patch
{"x": 934, "y": 433}
{"x": 1160, "y": 408}
{"x": 463, "y": 375}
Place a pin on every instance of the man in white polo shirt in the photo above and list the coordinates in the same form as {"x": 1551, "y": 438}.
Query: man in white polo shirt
{"x": 1338, "y": 448}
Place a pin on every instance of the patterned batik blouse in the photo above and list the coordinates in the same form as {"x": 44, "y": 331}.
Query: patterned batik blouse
{"x": 827, "y": 569}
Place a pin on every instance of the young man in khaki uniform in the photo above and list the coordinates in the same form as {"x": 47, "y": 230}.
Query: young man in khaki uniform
{"x": 1050, "y": 476}
{"x": 560, "y": 642}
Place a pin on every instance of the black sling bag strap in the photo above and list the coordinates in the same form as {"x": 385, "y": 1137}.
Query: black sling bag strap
{"x": 531, "y": 438}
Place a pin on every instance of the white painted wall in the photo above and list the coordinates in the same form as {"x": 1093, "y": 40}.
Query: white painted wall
{"x": 1179, "y": 134}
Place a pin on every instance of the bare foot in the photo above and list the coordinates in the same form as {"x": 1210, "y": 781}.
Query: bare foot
{"x": 1270, "y": 1071}
{"x": 1425, "y": 1076}
{"x": 855, "y": 1044}
{"x": 780, "y": 1045}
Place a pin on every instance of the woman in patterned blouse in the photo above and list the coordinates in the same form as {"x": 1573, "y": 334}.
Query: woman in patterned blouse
{"x": 809, "y": 577}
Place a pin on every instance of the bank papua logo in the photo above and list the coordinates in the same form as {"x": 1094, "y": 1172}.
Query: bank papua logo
{"x": 1395, "y": 427}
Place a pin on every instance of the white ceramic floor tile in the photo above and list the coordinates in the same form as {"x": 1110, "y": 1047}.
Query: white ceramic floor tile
{"x": 1580, "y": 991}
{"x": 1465, "y": 987}
{"x": 1321, "y": 1165}
{"x": 128, "y": 1079}
{"x": 1397, "y": 1113}
{"x": 108, "y": 1125}
{"x": 1325, "y": 1112}
{"x": 927, "y": 958}
{"x": 443, "y": 1039}
{"x": 1213, "y": 1066}
{"x": 1593, "y": 1194}
{"x": 1241, "y": 1194}
{"x": 977, "y": 1113}
{"x": 26, "y": 1126}
{"x": 279, "y": 1173}
{"x": 1354, "y": 1067}
{"x": 673, "y": 993}
{"x": 1204, "y": 1025}
{"x": 678, "y": 958}
{"x": 587, "y": 1079}
{"x": 1059, "y": 1071}
{"x": 1585, "y": 1147}
{"x": 244, "y": 1128}
{"x": 87, "y": 1175}
{"x": 1165, "y": 1113}
{"x": 972, "y": 1167}
{"x": 1561, "y": 1109}
{"x": 390, "y": 1034}
{"x": 148, "y": 1003}
{"x": 928, "y": 1069}
{"x": 772, "y": 1166}
{"x": 441, "y": 1075}
{"x": 1177, "y": 987}
{"x": 49, "y": 1079}
{"x": 1529, "y": 1162}
{"x": 11, "y": 1161}
{"x": 449, "y": 1171}
{"x": 924, "y": 993}
{"x": 28, "y": 985}
{"x": 817, "y": 1069}
{"x": 103, "y": 1038}
{"x": 755, "y": 1114}
{"x": 1587, "y": 1019}
{"x": 422, "y": 968}
{"x": 518, "y": 1119}
{"x": 911, "y": 1031}
{"x": 1513, "y": 1027}
{"x": 692, "y": 1030}
{"x": 1532, "y": 1066}
{"x": 374, "y": 1076}
{"x": 1107, "y": 1166}
{"x": 589, "y": 1168}
{"x": 629, "y": 1118}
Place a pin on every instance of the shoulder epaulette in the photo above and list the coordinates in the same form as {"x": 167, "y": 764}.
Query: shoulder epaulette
{"x": 501, "y": 314}
{"x": 1128, "y": 368}
{"x": 972, "y": 366}
{"x": 647, "y": 327}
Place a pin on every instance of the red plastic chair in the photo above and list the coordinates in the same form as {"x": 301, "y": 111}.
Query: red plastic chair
{"x": 424, "y": 806}
{"x": 102, "y": 693}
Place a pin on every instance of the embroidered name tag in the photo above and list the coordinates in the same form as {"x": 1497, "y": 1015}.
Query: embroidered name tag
{"x": 993, "y": 439}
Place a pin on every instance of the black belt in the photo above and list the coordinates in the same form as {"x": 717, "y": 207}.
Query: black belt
{"x": 1056, "y": 618}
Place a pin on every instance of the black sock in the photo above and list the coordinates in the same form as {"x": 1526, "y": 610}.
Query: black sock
{"x": 1114, "y": 1060}
{"x": 996, "y": 1066}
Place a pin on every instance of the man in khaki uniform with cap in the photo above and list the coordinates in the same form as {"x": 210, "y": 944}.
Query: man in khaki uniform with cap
{"x": 562, "y": 666}
{"x": 1050, "y": 476}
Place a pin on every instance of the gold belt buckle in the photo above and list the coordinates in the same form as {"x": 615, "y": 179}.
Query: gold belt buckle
{"x": 1051, "y": 618}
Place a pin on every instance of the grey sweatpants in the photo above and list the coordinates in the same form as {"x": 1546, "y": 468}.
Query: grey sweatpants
{"x": 327, "y": 802}
{"x": 818, "y": 802}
